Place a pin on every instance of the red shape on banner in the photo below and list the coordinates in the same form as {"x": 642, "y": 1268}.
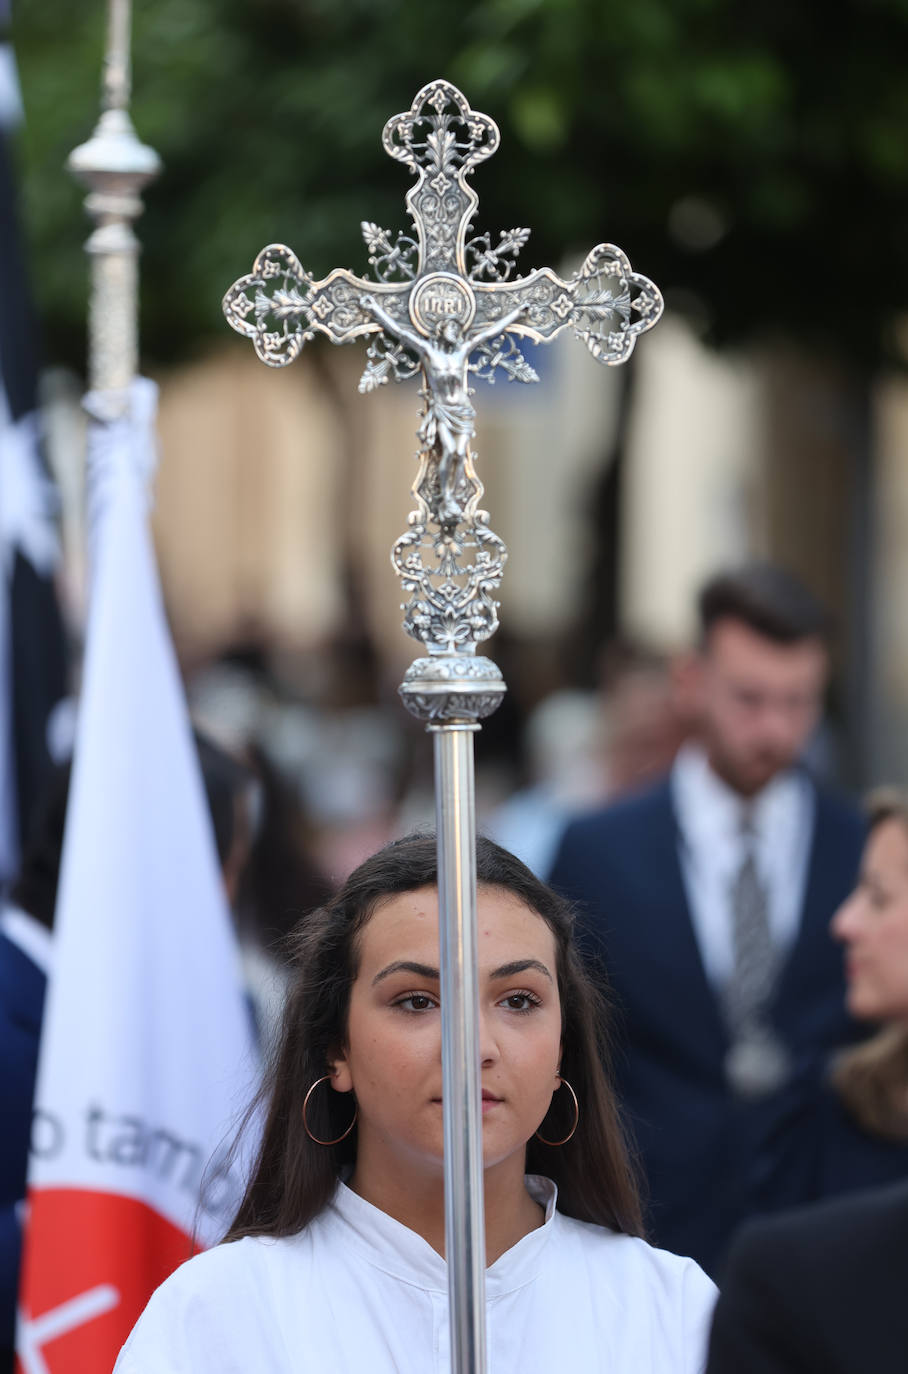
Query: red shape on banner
{"x": 92, "y": 1261}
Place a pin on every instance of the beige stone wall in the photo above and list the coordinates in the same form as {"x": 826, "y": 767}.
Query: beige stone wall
{"x": 244, "y": 503}
{"x": 891, "y": 566}
{"x": 809, "y": 472}
{"x": 693, "y": 495}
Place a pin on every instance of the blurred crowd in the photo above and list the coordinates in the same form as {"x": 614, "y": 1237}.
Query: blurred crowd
{"x": 750, "y": 921}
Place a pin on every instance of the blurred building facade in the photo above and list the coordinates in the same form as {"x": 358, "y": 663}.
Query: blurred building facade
{"x": 280, "y": 493}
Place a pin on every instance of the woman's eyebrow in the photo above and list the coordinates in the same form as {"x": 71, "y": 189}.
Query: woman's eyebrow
{"x": 431, "y": 974}
{"x": 407, "y": 966}
{"x": 520, "y": 966}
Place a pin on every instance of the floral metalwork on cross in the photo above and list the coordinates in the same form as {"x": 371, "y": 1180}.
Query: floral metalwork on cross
{"x": 447, "y": 303}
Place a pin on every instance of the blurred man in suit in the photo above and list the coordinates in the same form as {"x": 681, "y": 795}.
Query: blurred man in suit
{"x": 708, "y": 899}
{"x": 818, "y": 1291}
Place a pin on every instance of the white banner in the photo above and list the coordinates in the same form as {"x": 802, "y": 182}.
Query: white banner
{"x": 147, "y": 1057}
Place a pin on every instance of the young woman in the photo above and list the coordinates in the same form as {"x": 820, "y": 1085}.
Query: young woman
{"x": 335, "y": 1260}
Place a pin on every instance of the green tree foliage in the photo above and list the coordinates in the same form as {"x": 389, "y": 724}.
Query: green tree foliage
{"x": 750, "y": 155}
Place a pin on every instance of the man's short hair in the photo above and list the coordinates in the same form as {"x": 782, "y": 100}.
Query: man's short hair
{"x": 766, "y": 598}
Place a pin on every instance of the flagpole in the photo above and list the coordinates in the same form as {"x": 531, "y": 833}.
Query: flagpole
{"x": 115, "y": 166}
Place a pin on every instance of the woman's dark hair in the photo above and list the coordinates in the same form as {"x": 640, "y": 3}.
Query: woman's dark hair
{"x": 35, "y": 888}
{"x": 294, "y": 1178}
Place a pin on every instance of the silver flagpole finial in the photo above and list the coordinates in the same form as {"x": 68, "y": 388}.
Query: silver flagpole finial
{"x": 445, "y": 304}
{"x": 114, "y": 165}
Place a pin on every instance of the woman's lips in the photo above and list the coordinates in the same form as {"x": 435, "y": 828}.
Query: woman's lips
{"x": 489, "y": 1100}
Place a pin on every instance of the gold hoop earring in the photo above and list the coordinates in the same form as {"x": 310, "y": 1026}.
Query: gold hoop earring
{"x": 564, "y": 1084}
{"x": 326, "y": 1078}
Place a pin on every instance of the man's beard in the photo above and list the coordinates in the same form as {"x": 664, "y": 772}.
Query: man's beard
{"x": 750, "y": 774}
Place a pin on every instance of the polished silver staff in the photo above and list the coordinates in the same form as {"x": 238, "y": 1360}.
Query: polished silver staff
{"x": 115, "y": 166}
{"x": 445, "y": 305}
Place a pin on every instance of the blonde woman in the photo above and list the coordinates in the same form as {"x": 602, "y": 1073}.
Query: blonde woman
{"x": 821, "y": 1289}
{"x": 871, "y": 1079}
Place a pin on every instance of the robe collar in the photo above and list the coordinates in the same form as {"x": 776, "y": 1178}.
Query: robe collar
{"x": 396, "y": 1250}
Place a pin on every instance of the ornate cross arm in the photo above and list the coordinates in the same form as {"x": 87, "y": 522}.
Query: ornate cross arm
{"x": 280, "y": 307}
{"x": 442, "y": 140}
{"x": 605, "y": 303}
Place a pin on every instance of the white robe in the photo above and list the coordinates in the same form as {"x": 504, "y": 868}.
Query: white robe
{"x": 357, "y": 1291}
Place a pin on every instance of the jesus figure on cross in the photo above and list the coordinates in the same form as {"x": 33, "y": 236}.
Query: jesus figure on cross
{"x": 450, "y": 418}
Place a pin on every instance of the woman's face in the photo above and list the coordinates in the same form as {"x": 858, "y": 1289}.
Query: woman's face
{"x": 392, "y": 1059}
{"x": 873, "y": 926}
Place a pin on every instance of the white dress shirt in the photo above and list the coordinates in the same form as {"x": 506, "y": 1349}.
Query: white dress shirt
{"x": 710, "y": 818}
{"x": 357, "y": 1291}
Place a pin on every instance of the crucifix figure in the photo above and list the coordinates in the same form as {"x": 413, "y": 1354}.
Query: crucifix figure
{"x": 450, "y": 418}
{"x": 445, "y": 303}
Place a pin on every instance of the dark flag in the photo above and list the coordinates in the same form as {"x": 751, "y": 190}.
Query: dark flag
{"x": 32, "y": 644}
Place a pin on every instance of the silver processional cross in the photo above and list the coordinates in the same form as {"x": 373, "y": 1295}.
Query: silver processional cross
{"x": 444, "y": 304}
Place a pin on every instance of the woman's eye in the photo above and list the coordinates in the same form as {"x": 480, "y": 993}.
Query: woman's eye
{"x": 416, "y": 1001}
{"x": 876, "y": 896}
{"x": 520, "y": 1001}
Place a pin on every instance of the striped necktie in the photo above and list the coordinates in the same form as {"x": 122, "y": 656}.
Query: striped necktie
{"x": 757, "y": 1061}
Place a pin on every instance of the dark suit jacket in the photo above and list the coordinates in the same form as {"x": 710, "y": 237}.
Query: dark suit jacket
{"x": 820, "y": 1150}
{"x": 22, "y": 986}
{"x": 823, "y": 1290}
{"x": 703, "y": 1150}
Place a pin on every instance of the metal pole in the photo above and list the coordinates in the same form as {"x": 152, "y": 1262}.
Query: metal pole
{"x": 117, "y": 64}
{"x": 115, "y": 166}
{"x": 462, "y": 1103}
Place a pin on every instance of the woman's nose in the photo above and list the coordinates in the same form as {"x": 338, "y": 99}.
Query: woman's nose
{"x": 488, "y": 1045}
{"x": 845, "y": 920}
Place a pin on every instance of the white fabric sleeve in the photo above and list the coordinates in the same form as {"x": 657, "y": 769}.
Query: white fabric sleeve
{"x": 698, "y": 1299}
